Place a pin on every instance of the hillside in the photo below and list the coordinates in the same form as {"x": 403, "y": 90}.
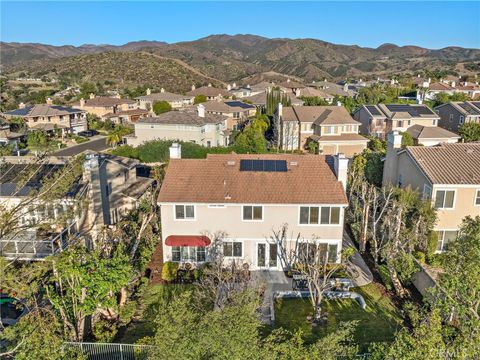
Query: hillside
{"x": 234, "y": 57}
{"x": 123, "y": 69}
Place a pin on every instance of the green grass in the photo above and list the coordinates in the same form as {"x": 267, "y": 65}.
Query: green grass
{"x": 144, "y": 321}
{"x": 377, "y": 323}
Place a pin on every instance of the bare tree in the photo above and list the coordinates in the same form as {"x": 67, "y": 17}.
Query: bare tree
{"x": 312, "y": 261}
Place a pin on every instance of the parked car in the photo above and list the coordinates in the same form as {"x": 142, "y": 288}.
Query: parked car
{"x": 88, "y": 133}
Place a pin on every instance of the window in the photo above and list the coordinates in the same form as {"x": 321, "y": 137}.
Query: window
{"x": 184, "y": 212}
{"x": 477, "y": 198}
{"x": 427, "y": 192}
{"x": 209, "y": 143}
{"x": 444, "y": 238}
{"x": 232, "y": 249}
{"x": 325, "y": 215}
{"x": 189, "y": 253}
{"x": 450, "y": 118}
{"x": 310, "y": 252}
{"x": 236, "y": 115}
{"x": 461, "y": 119}
{"x": 251, "y": 213}
{"x": 399, "y": 123}
{"x": 444, "y": 199}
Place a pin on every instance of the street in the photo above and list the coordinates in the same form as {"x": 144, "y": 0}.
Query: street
{"x": 98, "y": 143}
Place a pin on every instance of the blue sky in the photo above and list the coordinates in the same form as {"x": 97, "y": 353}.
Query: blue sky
{"x": 428, "y": 24}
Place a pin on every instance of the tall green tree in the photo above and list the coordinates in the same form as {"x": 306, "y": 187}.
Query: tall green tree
{"x": 470, "y": 131}
{"x": 38, "y": 141}
{"x": 252, "y": 138}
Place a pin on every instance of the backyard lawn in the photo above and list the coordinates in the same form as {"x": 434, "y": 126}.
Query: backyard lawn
{"x": 377, "y": 323}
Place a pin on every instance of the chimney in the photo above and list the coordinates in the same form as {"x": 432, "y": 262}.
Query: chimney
{"x": 465, "y": 83}
{"x": 21, "y": 105}
{"x": 201, "y": 110}
{"x": 175, "y": 151}
{"x": 419, "y": 101}
{"x": 339, "y": 103}
{"x": 49, "y": 101}
{"x": 92, "y": 96}
{"x": 209, "y": 85}
{"x": 390, "y": 166}
{"x": 162, "y": 90}
{"x": 82, "y": 102}
{"x": 453, "y": 84}
{"x": 149, "y": 91}
{"x": 297, "y": 92}
{"x": 193, "y": 87}
{"x": 229, "y": 87}
{"x": 234, "y": 85}
{"x": 341, "y": 169}
{"x": 280, "y": 110}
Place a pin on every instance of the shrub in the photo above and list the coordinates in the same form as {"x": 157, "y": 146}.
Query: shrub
{"x": 405, "y": 267}
{"x": 199, "y": 99}
{"x": 420, "y": 256}
{"x": 169, "y": 271}
{"x": 160, "y": 107}
{"x": 385, "y": 275}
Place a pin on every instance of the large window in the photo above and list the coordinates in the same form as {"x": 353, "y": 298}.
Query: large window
{"x": 325, "y": 215}
{"x": 189, "y": 253}
{"x": 184, "y": 212}
{"x": 232, "y": 249}
{"x": 318, "y": 253}
{"x": 477, "y": 198}
{"x": 251, "y": 213}
{"x": 444, "y": 238}
{"x": 444, "y": 199}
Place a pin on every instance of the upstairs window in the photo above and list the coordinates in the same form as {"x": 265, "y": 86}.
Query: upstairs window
{"x": 184, "y": 212}
{"x": 444, "y": 199}
{"x": 314, "y": 215}
{"x": 461, "y": 120}
{"x": 477, "y": 198}
{"x": 252, "y": 213}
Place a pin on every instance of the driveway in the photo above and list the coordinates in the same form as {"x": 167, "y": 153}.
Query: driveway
{"x": 96, "y": 143}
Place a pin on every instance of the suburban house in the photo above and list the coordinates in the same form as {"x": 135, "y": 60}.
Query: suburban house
{"x": 331, "y": 127}
{"x": 314, "y": 92}
{"x": 290, "y": 86}
{"x": 237, "y": 112}
{"x": 379, "y": 120}
{"x": 448, "y": 174}
{"x": 333, "y": 89}
{"x": 110, "y": 183}
{"x": 102, "y": 105}
{"x": 236, "y": 201}
{"x": 127, "y": 116}
{"x": 450, "y": 88}
{"x": 260, "y": 99}
{"x": 454, "y": 114}
{"x": 431, "y": 135}
{"x": 8, "y": 137}
{"x": 175, "y": 100}
{"x": 239, "y": 91}
{"x": 210, "y": 92}
{"x": 48, "y": 117}
{"x": 198, "y": 126}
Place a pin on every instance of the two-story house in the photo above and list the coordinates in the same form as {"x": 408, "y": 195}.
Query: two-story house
{"x": 196, "y": 126}
{"x": 379, "y": 120}
{"x": 455, "y": 114}
{"x": 175, "y": 100}
{"x": 237, "y": 112}
{"x": 240, "y": 199}
{"x": 448, "y": 174}
{"x": 331, "y": 127}
{"x": 210, "y": 92}
{"x": 49, "y": 117}
{"x": 102, "y": 105}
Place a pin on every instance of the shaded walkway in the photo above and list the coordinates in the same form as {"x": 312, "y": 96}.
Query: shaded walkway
{"x": 356, "y": 266}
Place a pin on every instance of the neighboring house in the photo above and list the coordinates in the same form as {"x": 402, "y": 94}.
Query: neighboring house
{"x": 431, "y": 135}
{"x": 331, "y": 127}
{"x": 260, "y": 99}
{"x": 101, "y": 105}
{"x": 448, "y": 174}
{"x": 334, "y": 89}
{"x": 127, "y": 116}
{"x": 110, "y": 183}
{"x": 197, "y": 126}
{"x": 8, "y": 137}
{"x": 48, "y": 117}
{"x": 455, "y": 114}
{"x": 237, "y": 112}
{"x": 238, "y": 200}
{"x": 175, "y": 100}
{"x": 438, "y": 88}
{"x": 290, "y": 86}
{"x": 262, "y": 87}
{"x": 210, "y": 92}
{"x": 313, "y": 92}
{"x": 451, "y": 88}
{"x": 239, "y": 91}
{"x": 379, "y": 120}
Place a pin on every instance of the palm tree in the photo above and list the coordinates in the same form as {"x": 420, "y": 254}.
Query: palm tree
{"x": 113, "y": 138}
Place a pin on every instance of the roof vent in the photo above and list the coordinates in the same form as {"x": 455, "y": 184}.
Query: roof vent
{"x": 231, "y": 163}
{"x": 228, "y": 197}
{"x": 293, "y": 163}
{"x": 469, "y": 151}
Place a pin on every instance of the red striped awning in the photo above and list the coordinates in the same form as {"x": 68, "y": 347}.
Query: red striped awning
{"x": 187, "y": 240}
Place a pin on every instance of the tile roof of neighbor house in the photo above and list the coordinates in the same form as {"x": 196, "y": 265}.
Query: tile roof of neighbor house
{"x": 449, "y": 163}
{"x": 309, "y": 179}
{"x": 209, "y": 91}
{"x": 261, "y": 99}
{"x": 227, "y": 106}
{"x": 289, "y": 84}
{"x": 339, "y": 138}
{"x": 401, "y": 111}
{"x": 313, "y": 92}
{"x": 262, "y": 86}
{"x": 127, "y": 112}
{"x": 42, "y": 110}
{"x": 320, "y": 115}
{"x": 440, "y": 87}
{"x": 165, "y": 96}
{"x": 184, "y": 118}
{"x": 103, "y": 101}
{"x": 430, "y": 132}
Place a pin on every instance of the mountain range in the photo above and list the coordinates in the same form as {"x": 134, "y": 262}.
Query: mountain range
{"x": 234, "y": 57}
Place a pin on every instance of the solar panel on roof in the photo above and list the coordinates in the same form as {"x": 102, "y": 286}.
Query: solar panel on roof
{"x": 263, "y": 165}
{"x": 470, "y": 109}
{"x": 412, "y": 110}
{"x": 238, "y": 104}
{"x": 373, "y": 110}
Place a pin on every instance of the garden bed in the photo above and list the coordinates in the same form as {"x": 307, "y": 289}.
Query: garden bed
{"x": 377, "y": 323}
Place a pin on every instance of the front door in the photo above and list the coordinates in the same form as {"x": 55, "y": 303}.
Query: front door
{"x": 267, "y": 256}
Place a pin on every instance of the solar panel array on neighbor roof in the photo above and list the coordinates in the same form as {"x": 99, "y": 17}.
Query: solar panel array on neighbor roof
{"x": 412, "y": 110}
{"x": 469, "y": 109}
{"x": 263, "y": 165}
{"x": 238, "y": 104}
{"x": 373, "y": 110}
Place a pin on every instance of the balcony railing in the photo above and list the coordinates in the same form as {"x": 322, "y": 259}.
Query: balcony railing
{"x": 26, "y": 246}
